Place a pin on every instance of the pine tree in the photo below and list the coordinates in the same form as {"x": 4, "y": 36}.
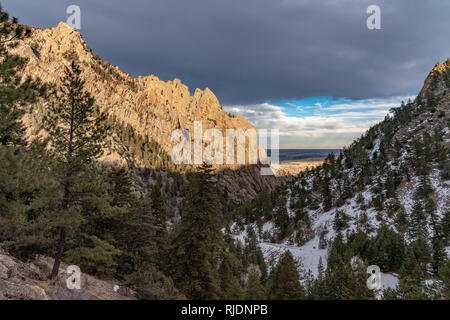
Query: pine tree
{"x": 337, "y": 279}
{"x": 160, "y": 225}
{"x": 282, "y": 221}
{"x": 340, "y": 221}
{"x": 15, "y": 93}
{"x": 326, "y": 194}
{"x": 76, "y": 131}
{"x": 320, "y": 268}
{"x": 430, "y": 209}
{"x": 198, "y": 243}
{"x": 422, "y": 252}
{"x": 357, "y": 289}
{"x": 445, "y": 227}
{"x": 444, "y": 276}
{"x": 348, "y": 191}
{"x": 285, "y": 280}
{"x": 254, "y": 289}
{"x": 26, "y": 188}
{"x": 27, "y": 193}
{"x": 410, "y": 277}
{"x": 151, "y": 284}
{"x": 132, "y": 228}
{"x": 418, "y": 221}
{"x": 424, "y": 188}
{"x": 401, "y": 221}
{"x": 230, "y": 287}
{"x": 439, "y": 253}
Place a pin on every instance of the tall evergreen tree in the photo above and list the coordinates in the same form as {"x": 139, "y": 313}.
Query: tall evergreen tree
{"x": 285, "y": 280}
{"x": 326, "y": 194}
{"x": 444, "y": 276}
{"x": 131, "y": 229}
{"x": 26, "y": 188}
{"x": 254, "y": 289}
{"x": 230, "y": 287}
{"x": 198, "y": 243}
{"x": 438, "y": 252}
{"x": 422, "y": 252}
{"x": 418, "y": 221}
{"x": 160, "y": 225}
{"x": 445, "y": 227}
{"x": 76, "y": 131}
{"x": 357, "y": 289}
{"x": 410, "y": 278}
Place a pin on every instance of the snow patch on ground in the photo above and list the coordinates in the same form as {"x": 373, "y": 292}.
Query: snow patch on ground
{"x": 389, "y": 280}
{"x": 307, "y": 255}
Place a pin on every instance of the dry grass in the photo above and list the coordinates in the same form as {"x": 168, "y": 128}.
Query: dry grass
{"x": 295, "y": 167}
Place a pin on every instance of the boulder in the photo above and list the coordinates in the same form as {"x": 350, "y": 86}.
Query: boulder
{"x": 22, "y": 291}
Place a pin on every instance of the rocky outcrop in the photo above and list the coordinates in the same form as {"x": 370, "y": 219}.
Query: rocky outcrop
{"x": 153, "y": 107}
{"x": 28, "y": 281}
{"x": 437, "y": 82}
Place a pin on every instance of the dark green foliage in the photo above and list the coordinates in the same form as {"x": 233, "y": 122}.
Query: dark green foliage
{"x": 422, "y": 252}
{"x": 337, "y": 279}
{"x": 386, "y": 249}
{"x": 439, "y": 254}
{"x": 410, "y": 278}
{"x": 444, "y": 276}
{"x": 151, "y": 284}
{"x": 418, "y": 221}
{"x": 326, "y": 194}
{"x": 76, "y": 131}
{"x": 161, "y": 235}
{"x": 229, "y": 271}
{"x": 401, "y": 221}
{"x": 144, "y": 148}
{"x": 27, "y": 193}
{"x": 254, "y": 289}
{"x": 282, "y": 221}
{"x": 197, "y": 244}
{"x": 15, "y": 94}
{"x": 340, "y": 221}
{"x": 445, "y": 227}
{"x": 131, "y": 229}
{"x": 284, "y": 283}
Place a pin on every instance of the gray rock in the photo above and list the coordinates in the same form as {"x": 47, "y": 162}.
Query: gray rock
{"x": 4, "y": 272}
{"x": 22, "y": 291}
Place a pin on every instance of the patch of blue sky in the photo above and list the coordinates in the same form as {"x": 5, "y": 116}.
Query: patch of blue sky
{"x": 325, "y": 106}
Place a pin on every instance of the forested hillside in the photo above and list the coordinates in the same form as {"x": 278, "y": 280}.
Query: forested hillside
{"x": 83, "y": 186}
{"x": 142, "y": 112}
{"x": 385, "y": 200}
{"x": 167, "y": 232}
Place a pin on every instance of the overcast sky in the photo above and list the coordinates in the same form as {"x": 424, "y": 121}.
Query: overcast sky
{"x": 281, "y": 63}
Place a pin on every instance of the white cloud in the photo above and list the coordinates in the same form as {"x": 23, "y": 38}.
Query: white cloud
{"x": 327, "y": 127}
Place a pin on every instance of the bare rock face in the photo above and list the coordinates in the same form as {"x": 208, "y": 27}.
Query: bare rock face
{"x": 22, "y": 291}
{"x": 7, "y": 266}
{"x": 436, "y": 93}
{"x": 153, "y": 107}
{"x": 437, "y": 82}
{"x": 4, "y": 272}
{"x": 13, "y": 288}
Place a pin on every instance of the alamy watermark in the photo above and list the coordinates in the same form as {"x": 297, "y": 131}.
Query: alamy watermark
{"x": 374, "y": 280}
{"x": 237, "y": 150}
{"x": 74, "y": 279}
{"x": 373, "y": 22}
{"x": 74, "y": 20}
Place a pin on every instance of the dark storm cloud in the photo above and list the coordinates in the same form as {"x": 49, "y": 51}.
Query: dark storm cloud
{"x": 250, "y": 51}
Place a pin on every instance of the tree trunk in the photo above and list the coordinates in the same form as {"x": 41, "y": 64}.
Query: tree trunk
{"x": 61, "y": 244}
